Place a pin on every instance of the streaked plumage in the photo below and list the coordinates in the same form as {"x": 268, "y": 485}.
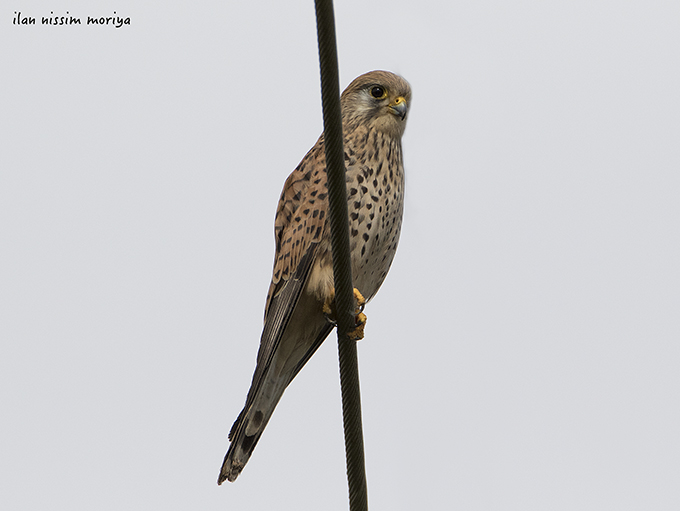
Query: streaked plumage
{"x": 374, "y": 108}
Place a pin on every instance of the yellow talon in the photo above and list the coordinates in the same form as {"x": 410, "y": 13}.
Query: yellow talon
{"x": 358, "y": 333}
{"x": 359, "y": 317}
{"x": 361, "y": 301}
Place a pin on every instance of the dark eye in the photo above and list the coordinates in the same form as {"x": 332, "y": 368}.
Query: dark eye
{"x": 378, "y": 92}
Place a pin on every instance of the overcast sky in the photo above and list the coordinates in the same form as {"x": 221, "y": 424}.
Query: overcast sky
{"x": 524, "y": 351}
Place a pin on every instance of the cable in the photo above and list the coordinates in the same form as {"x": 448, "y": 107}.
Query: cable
{"x": 342, "y": 270}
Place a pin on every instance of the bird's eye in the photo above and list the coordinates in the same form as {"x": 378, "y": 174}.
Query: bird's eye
{"x": 378, "y": 92}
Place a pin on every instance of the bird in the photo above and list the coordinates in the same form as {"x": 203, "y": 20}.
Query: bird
{"x": 299, "y": 306}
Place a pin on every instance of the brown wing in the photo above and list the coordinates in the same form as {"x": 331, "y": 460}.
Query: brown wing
{"x": 299, "y": 227}
{"x": 300, "y": 220}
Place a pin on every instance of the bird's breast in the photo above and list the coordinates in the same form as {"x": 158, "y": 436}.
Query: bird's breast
{"x": 375, "y": 194}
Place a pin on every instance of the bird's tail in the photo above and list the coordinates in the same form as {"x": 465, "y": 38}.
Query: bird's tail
{"x": 246, "y": 432}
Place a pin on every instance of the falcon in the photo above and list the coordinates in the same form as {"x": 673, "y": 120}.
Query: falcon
{"x": 300, "y": 303}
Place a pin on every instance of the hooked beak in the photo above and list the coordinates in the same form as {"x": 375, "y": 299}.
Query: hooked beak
{"x": 399, "y": 107}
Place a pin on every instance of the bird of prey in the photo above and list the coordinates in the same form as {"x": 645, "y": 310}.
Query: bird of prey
{"x": 299, "y": 307}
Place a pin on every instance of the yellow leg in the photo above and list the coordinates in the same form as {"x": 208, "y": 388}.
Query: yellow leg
{"x": 358, "y": 333}
{"x": 361, "y": 301}
{"x": 359, "y": 316}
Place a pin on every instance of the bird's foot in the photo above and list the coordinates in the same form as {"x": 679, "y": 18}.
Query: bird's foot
{"x": 358, "y": 333}
{"x": 361, "y": 301}
{"x": 359, "y": 317}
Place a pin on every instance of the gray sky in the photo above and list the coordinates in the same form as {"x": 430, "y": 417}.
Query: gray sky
{"x": 522, "y": 354}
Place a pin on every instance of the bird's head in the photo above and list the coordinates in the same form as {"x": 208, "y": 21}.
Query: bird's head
{"x": 380, "y": 99}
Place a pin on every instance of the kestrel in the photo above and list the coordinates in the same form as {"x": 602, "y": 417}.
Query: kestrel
{"x": 296, "y": 318}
